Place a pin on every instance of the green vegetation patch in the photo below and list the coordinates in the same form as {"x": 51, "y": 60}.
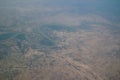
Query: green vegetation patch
{"x": 6, "y": 36}
{"x": 21, "y": 36}
{"x": 47, "y": 42}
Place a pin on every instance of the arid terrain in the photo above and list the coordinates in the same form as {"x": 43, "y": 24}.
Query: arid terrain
{"x": 59, "y": 40}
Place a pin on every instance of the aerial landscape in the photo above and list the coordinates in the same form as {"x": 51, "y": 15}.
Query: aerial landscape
{"x": 59, "y": 40}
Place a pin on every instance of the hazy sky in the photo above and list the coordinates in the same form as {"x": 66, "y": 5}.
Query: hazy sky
{"x": 34, "y": 9}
